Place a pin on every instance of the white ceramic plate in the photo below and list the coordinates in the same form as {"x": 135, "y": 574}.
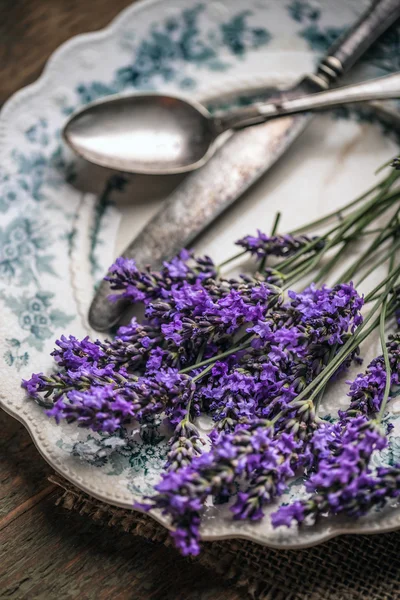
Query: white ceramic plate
{"x": 56, "y": 239}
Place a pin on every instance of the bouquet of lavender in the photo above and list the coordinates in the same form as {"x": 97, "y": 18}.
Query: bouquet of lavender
{"x": 255, "y": 354}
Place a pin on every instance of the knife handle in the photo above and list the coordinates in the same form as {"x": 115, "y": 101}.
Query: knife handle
{"x": 353, "y": 43}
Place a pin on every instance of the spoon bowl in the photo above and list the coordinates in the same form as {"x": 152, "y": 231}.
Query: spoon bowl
{"x": 143, "y": 133}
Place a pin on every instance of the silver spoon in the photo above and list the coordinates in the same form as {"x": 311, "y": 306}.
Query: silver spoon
{"x": 153, "y": 133}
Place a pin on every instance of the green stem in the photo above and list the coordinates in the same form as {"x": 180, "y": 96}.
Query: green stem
{"x": 276, "y": 223}
{"x": 327, "y": 373}
{"x": 204, "y": 372}
{"x": 385, "y": 184}
{"x": 213, "y": 359}
{"x": 384, "y": 346}
{"x": 385, "y": 164}
{"x": 380, "y": 239}
{"x": 381, "y": 261}
{"x": 232, "y": 258}
{"x": 273, "y": 232}
{"x": 386, "y": 360}
{"x": 362, "y": 217}
{"x": 381, "y": 284}
{"x": 338, "y": 212}
{"x": 333, "y": 241}
{"x": 306, "y": 248}
{"x": 332, "y": 262}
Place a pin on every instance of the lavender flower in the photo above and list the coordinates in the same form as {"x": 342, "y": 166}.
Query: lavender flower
{"x": 265, "y": 352}
{"x": 80, "y": 379}
{"x": 186, "y": 443}
{"x": 292, "y": 346}
{"x": 329, "y": 313}
{"x": 104, "y": 400}
{"x": 269, "y": 477}
{"x": 356, "y": 500}
{"x": 230, "y": 396}
{"x": 182, "y": 494}
{"x": 131, "y": 348}
{"x": 146, "y": 286}
{"x": 72, "y": 353}
{"x": 366, "y": 391}
{"x": 342, "y": 476}
{"x": 263, "y": 245}
{"x": 249, "y": 453}
{"x": 99, "y": 408}
{"x": 134, "y": 344}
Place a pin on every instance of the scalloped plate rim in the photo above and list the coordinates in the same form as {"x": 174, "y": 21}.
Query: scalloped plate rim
{"x": 309, "y": 538}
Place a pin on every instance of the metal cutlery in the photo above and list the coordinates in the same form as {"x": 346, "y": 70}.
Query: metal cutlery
{"x": 242, "y": 160}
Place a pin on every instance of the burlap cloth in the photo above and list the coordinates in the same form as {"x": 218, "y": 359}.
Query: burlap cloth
{"x": 346, "y": 568}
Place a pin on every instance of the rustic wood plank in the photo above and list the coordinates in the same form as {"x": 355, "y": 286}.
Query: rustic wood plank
{"x": 23, "y": 474}
{"x": 30, "y": 31}
{"x": 48, "y": 552}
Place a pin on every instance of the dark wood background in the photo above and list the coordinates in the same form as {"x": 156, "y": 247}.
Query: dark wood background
{"x": 45, "y": 551}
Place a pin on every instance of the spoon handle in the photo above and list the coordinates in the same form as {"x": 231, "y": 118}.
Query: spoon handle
{"x": 383, "y": 88}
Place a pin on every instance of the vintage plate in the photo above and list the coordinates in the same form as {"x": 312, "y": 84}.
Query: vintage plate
{"x": 56, "y": 239}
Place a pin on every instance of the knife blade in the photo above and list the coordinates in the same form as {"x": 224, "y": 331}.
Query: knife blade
{"x": 202, "y": 197}
{"x": 244, "y": 158}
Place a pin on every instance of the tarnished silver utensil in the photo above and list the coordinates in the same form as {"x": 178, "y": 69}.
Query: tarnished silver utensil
{"x": 237, "y": 165}
{"x": 156, "y": 134}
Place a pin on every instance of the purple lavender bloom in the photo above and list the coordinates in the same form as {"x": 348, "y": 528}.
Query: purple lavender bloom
{"x": 104, "y": 399}
{"x": 98, "y": 408}
{"x": 249, "y": 453}
{"x": 156, "y": 359}
{"x": 367, "y": 389}
{"x": 342, "y": 476}
{"x": 124, "y": 275}
{"x": 287, "y": 514}
{"x": 185, "y": 444}
{"x": 355, "y": 500}
{"x": 182, "y": 494}
{"x": 263, "y": 245}
{"x": 53, "y": 387}
{"x": 229, "y": 397}
{"x": 133, "y": 345}
{"x": 73, "y": 353}
{"x": 34, "y": 385}
{"x": 244, "y": 303}
{"x": 147, "y": 286}
{"x": 270, "y": 471}
{"x": 177, "y": 268}
{"x": 329, "y": 313}
{"x": 192, "y": 315}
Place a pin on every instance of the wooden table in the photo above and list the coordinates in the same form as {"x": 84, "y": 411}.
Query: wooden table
{"x": 45, "y": 551}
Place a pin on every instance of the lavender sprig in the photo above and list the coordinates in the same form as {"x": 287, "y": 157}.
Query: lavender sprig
{"x": 342, "y": 479}
{"x": 369, "y": 491}
{"x": 185, "y": 444}
{"x": 182, "y": 494}
{"x": 262, "y": 245}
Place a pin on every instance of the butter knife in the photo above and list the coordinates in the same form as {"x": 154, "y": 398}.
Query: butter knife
{"x": 239, "y": 163}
